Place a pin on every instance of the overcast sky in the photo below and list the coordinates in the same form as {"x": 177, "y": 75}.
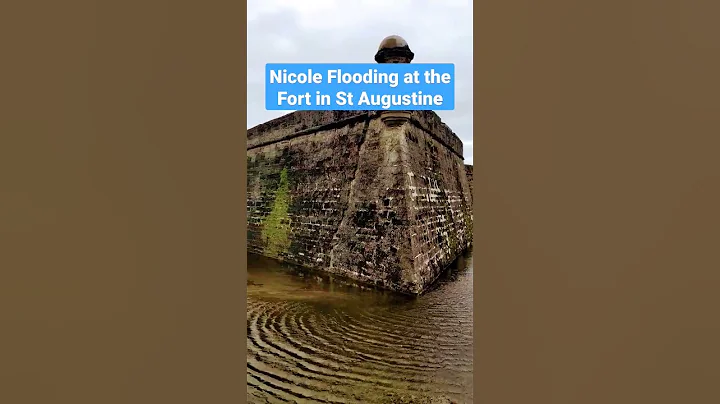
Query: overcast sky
{"x": 342, "y": 31}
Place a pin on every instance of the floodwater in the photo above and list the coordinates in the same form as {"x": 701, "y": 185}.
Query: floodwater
{"x": 311, "y": 339}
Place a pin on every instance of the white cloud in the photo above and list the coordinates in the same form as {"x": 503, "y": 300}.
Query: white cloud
{"x": 340, "y": 31}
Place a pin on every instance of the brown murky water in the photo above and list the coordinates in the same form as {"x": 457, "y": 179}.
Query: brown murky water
{"x": 313, "y": 340}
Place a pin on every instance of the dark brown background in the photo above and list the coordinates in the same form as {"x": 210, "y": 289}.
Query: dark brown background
{"x": 122, "y": 202}
{"x": 598, "y": 187}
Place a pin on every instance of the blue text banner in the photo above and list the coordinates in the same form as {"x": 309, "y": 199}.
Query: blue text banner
{"x": 361, "y": 86}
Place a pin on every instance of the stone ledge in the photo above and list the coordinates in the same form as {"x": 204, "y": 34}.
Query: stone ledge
{"x": 314, "y": 129}
{"x": 294, "y": 122}
{"x": 301, "y": 123}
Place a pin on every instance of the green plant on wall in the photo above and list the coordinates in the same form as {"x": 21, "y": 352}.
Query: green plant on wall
{"x": 276, "y": 227}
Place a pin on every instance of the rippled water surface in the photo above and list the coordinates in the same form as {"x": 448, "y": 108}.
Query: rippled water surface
{"x": 313, "y": 340}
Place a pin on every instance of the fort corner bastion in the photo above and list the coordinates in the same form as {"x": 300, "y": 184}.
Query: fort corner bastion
{"x": 380, "y": 197}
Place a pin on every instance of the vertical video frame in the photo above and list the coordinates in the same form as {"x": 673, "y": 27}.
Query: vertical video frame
{"x": 359, "y": 222}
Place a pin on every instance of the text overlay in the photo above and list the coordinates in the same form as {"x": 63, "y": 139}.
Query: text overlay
{"x": 362, "y": 86}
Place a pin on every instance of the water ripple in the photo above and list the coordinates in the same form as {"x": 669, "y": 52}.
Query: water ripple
{"x": 318, "y": 342}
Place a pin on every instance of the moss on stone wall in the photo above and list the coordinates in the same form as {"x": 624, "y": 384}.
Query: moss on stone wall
{"x": 276, "y": 227}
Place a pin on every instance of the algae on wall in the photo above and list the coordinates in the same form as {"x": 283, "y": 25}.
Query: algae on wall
{"x": 276, "y": 227}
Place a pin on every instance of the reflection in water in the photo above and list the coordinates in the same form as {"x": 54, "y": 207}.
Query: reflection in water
{"x": 312, "y": 340}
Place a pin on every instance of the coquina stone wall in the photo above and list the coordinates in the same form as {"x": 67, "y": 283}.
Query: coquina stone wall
{"x": 349, "y": 193}
{"x": 469, "y": 173}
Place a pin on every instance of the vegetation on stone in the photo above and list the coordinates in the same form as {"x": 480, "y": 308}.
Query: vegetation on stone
{"x": 276, "y": 227}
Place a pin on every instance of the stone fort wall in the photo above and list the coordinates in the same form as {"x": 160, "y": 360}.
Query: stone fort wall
{"x": 347, "y": 193}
